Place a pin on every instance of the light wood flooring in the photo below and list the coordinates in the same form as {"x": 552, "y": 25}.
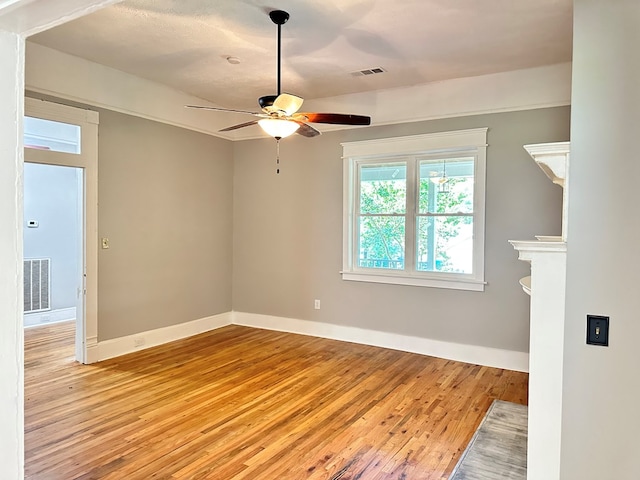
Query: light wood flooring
{"x": 242, "y": 403}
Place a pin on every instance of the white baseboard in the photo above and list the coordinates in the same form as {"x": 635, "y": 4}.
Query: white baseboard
{"x": 139, "y": 341}
{"x": 92, "y": 354}
{"x": 491, "y": 357}
{"x": 49, "y": 316}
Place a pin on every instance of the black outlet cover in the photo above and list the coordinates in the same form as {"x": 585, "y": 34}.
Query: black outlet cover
{"x": 598, "y": 330}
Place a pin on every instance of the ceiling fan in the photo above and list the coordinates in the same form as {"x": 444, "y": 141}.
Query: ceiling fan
{"x": 280, "y": 117}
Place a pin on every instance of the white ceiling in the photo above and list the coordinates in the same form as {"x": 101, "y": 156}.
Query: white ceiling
{"x": 184, "y": 43}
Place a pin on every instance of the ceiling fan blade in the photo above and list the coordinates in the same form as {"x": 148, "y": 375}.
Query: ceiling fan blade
{"x": 218, "y": 109}
{"x": 306, "y": 130}
{"x": 287, "y": 103}
{"x": 334, "y": 118}
{"x": 240, "y": 125}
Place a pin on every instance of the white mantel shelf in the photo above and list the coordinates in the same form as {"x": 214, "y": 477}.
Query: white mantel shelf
{"x": 528, "y": 248}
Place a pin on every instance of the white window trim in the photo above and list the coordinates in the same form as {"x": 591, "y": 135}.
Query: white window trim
{"x": 444, "y": 143}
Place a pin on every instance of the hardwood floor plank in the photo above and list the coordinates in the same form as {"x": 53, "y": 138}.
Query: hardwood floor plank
{"x": 240, "y": 403}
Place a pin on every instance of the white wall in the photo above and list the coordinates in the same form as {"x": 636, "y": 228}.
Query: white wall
{"x": 11, "y": 333}
{"x": 51, "y": 196}
{"x": 601, "y": 417}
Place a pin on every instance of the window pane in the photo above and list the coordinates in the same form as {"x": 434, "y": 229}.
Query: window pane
{"x": 446, "y": 185}
{"x": 381, "y": 242}
{"x": 49, "y": 135}
{"x": 383, "y": 188}
{"x": 445, "y": 244}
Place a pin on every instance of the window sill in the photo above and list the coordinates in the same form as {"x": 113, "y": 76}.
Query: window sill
{"x": 416, "y": 281}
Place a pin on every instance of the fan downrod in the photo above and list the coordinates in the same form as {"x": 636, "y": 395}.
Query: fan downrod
{"x": 279, "y": 17}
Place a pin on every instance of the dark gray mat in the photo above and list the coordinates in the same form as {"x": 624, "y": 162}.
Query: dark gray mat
{"x": 498, "y": 449}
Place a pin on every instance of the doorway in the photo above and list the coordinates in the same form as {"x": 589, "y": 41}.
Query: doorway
{"x": 60, "y": 223}
{"x": 52, "y": 234}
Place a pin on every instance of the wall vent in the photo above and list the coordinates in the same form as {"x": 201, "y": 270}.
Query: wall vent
{"x": 37, "y": 285}
{"x": 368, "y": 71}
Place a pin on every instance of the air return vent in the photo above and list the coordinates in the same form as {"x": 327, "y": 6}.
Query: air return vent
{"x": 368, "y": 71}
{"x": 37, "y": 285}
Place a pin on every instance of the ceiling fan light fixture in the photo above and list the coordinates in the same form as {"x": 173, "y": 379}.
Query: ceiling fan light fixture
{"x": 438, "y": 179}
{"x": 280, "y": 116}
{"x": 277, "y": 127}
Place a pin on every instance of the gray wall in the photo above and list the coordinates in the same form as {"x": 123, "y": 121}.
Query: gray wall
{"x": 287, "y": 234}
{"x": 51, "y": 198}
{"x": 601, "y": 385}
{"x": 165, "y": 203}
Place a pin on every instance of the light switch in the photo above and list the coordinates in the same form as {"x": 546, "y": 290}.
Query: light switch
{"x": 598, "y": 330}
{"x": 105, "y": 242}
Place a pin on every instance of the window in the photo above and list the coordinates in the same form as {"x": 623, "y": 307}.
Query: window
{"x": 42, "y": 134}
{"x": 414, "y": 210}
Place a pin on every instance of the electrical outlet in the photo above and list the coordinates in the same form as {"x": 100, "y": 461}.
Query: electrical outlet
{"x": 316, "y": 304}
{"x": 598, "y": 330}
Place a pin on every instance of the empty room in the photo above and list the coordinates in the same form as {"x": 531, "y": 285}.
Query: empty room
{"x": 318, "y": 240}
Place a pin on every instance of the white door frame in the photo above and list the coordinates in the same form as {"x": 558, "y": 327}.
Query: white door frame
{"x": 87, "y": 327}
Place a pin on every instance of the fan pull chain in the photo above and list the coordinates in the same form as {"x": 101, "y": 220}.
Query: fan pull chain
{"x": 277, "y": 156}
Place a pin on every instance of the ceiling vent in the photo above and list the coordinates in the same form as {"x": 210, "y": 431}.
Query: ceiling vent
{"x": 368, "y": 71}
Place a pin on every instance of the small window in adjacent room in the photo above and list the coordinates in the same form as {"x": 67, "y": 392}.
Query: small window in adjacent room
{"x": 42, "y": 134}
{"x": 414, "y": 210}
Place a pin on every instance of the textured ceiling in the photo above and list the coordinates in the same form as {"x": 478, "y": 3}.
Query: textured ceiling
{"x": 184, "y": 43}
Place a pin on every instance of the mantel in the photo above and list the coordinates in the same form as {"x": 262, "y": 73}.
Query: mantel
{"x": 552, "y": 159}
{"x": 546, "y": 286}
{"x": 528, "y": 248}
